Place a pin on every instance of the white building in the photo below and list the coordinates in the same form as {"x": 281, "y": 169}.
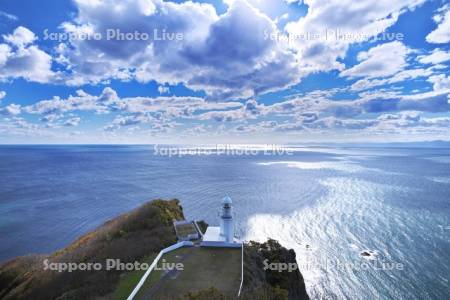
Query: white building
{"x": 222, "y": 236}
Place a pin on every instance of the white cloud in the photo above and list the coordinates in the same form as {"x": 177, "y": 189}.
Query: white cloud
{"x": 103, "y": 103}
{"x": 11, "y": 110}
{"x": 312, "y": 112}
{"x": 441, "y": 83}
{"x": 5, "y": 52}
{"x": 29, "y": 63}
{"x": 367, "y": 83}
{"x": 227, "y": 56}
{"x": 173, "y": 106}
{"x": 131, "y": 120}
{"x": 399, "y": 123}
{"x": 380, "y": 61}
{"x": 381, "y": 102}
{"x": 411, "y": 119}
{"x": 21, "y": 37}
{"x": 437, "y": 56}
{"x": 250, "y": 110}
{"x": 51, "y": 118}
{"x": 441, "y": 34}
{"x": 2, "y": 95}
{"x": 25, "y": 59}
{"x": 133, "y": 110}
{"x": 72, "y": 122}
{"x": 8, "y": 16}
{"x": 434, "y": 102}
{"x": 163, "y": 89}
{"x": 366, "y": 18}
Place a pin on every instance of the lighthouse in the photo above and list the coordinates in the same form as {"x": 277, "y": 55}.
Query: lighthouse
{"x": 223, "y": 235}
{"x": 226, "y": 220}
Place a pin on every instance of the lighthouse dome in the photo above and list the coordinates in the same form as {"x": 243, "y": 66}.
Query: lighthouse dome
{"x": 227, "y": 200}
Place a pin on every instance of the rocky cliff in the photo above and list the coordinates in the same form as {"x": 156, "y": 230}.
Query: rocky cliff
{"x": 132, "y": 237}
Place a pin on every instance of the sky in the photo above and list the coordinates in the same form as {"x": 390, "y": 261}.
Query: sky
{"x": 231, "y": 71}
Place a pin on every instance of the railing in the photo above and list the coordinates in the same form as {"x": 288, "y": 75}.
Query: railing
{"x": 198, "y": 229}
{"x": 153, "y": 265}
{"x": 242, "y": 269}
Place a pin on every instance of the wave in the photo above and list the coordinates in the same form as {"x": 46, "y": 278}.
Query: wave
{"x": 344, "y": 166}
{"x": 347, "y": 237}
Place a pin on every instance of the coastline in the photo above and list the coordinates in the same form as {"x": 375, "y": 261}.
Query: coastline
{"x": 133, "y": 236}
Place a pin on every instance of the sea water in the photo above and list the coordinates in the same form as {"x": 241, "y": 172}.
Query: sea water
{"x": 365, "y": 223}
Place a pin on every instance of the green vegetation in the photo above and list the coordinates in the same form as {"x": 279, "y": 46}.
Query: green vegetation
{"x": 202, "y": 225}
{"x": 130, "y": 237}
{"x": 156, "y": 275}
{"x": 209, "y": 273}
{"x": 264, "y": 293}
{"x": 129, "y": 280}
{"x": 203, "y": 268}
{"x": 207, "y": 294}
{"x": 260, "y": 283}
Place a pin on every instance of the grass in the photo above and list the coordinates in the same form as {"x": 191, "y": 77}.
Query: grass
{"x": 130, "y": 237}
{"x": 203, "y": 268}
{"x": 155, "y": 275}
{"x": 129, "y": 280}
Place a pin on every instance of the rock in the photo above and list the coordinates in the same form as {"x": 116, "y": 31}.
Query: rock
{"x": 271, "y": 282}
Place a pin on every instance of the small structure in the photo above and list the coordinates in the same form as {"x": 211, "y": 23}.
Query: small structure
{"x": 222, "y": 236}
{"x": 186, "y": 230}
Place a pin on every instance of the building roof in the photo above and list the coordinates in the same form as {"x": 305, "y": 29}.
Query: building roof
{"x": 212, "y": 234}
{"x": 227, "y": 200}
{"x": 212, "y": 238}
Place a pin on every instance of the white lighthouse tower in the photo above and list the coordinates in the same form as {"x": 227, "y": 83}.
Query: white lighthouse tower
{"x": 226, "y": 220}
{"x": 223, "y": 235}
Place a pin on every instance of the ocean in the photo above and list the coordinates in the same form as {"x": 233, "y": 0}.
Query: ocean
{"x": 330, "y": 204}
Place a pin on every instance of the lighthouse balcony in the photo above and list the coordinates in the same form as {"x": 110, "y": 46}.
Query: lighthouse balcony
{"x": 213, "y": 238}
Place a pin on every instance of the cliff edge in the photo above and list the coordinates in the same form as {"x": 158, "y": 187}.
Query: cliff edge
{"x": 136, "y": 236}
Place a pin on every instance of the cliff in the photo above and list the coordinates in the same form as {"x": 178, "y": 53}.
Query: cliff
{"x": 261, "y": 282}
{"x": 129, "y": 237}
{"x": 136, "y": 236}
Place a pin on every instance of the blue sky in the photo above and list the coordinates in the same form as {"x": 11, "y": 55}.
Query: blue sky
{"x": 232, "y": 71}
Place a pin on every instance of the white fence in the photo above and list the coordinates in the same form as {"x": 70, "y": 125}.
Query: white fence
{"x": 242, "y": 269}
{"x": 198, "y": 229}
{"x": 155, "y": 261}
